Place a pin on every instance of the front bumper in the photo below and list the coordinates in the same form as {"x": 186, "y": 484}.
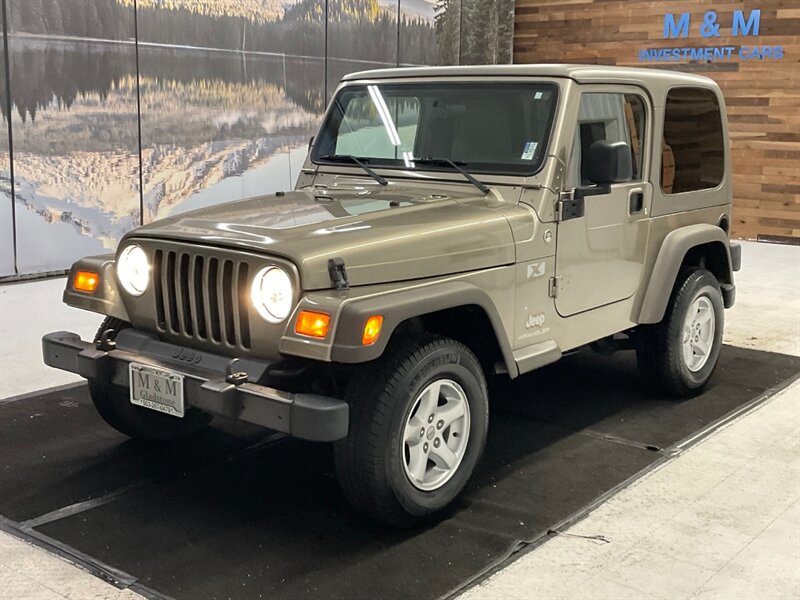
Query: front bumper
{"x": 306, "y": 416}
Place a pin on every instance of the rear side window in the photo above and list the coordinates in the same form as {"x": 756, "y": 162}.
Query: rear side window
{"x": 693, "y": 156}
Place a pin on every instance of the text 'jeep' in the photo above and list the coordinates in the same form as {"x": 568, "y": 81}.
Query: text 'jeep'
{"x": 449, "y": 224}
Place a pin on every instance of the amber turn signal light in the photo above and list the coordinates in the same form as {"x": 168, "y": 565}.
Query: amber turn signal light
{"x": 86, "y": 281}
{"x": 372, "y": 330}
{"x": 313, "y": 324}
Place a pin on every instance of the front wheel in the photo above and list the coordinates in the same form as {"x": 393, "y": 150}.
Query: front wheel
{"x": 682, "y": 351}
{"x": 418, "y": 427}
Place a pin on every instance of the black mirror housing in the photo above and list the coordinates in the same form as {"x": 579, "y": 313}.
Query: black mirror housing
{"x": 609, "y": 162}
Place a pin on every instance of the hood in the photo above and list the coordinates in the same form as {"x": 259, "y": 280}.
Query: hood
{"x": 383, "y": 235}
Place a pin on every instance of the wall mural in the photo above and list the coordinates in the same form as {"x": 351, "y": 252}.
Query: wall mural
{"x": 219, "y": 106}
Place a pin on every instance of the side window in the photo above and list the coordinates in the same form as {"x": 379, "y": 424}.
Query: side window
{"x": 693, "y": 155}
{"x": 611, "y": 117}
{"x": 365, "y": 131}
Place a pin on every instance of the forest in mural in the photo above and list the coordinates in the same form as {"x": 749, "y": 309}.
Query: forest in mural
{"x": 219, "y": 105}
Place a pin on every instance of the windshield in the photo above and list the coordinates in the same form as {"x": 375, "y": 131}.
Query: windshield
{"x": 487, "y": 127}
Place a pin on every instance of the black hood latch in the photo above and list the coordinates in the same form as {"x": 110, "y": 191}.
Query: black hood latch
{"x": 338, "y": 274}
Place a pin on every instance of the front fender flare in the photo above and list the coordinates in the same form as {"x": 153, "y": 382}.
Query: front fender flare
{"x": 399, "y": 306}
{"x": 106, "y": 300}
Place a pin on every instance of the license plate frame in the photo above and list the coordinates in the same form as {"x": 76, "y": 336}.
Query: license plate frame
{"x": 157, "y": 389}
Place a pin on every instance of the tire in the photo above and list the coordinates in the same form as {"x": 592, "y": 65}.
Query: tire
{"x": 113, "y": 404}
{"x": 662, "y": 351}
{"x": 375, "y": 463}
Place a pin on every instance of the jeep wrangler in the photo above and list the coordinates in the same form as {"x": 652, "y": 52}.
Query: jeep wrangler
{"x": 448, "y": 224}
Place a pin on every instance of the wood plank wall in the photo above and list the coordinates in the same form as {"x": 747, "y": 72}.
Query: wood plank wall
{"x": 762, "y": 96}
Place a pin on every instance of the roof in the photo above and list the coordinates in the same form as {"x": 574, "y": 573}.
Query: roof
{"x": 579, "y": 73}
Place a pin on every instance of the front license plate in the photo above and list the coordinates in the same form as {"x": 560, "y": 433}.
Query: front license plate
{"x": 157, "y": 389}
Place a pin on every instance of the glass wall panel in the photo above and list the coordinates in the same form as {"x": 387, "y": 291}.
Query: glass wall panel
{"x": 6, "y": 213}
{"x": 218, "y": 123}
{"x": 301, "y": 35}
{"x": 73, "y": 118}
{"x": 429, "y": 32}
{"x": 362, "y": 34}
{"x": 487, "y": 31}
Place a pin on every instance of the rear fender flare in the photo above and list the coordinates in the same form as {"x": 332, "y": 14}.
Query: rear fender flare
{"x": 670, "y": 258}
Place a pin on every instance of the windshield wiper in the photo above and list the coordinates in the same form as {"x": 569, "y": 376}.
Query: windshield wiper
{"x": 358, "y": 161}
{"x": 447, "y": 162}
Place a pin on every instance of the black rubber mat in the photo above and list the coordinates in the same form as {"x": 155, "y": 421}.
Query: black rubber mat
{"x": 606, "y": 395}
{"x": 55, "y": 451}
{"x": 234, "y": 516}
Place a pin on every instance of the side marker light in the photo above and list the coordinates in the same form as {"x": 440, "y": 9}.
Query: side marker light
{"x": 372, "y": 330}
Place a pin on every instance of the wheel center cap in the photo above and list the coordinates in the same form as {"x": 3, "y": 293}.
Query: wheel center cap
{"x": 431, "y": 432}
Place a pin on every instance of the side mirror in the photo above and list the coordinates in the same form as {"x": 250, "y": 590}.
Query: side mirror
{"x": 608, "y": 162}
{"x": 310, "y": 142}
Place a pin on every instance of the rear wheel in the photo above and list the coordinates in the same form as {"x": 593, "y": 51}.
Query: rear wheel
{"x": 681, "y": 351}
{"x": 113, "y": 404}
{"x": 418, "y": 427}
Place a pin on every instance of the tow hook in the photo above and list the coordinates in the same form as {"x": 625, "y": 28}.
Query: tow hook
{"x": 233, "y": 376}
{"x": 106, "y": 341}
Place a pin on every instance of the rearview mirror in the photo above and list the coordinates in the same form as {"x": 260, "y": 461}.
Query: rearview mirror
{"x": 608, "y": 162}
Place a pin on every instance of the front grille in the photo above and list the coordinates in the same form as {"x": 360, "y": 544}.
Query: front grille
{"x": 202, "y": 298}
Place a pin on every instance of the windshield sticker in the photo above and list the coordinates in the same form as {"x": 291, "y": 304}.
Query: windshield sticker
{"x": 529, "y": 150}
{"x": 537, "y": 96}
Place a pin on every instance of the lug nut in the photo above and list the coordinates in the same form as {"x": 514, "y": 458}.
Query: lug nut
{"x": 422, "y": 432}
{"x": 440, "y": 424}
{"x": 436, "y": 443}
{"x": 425, "y": 447}
{"x": 430, "y": 419}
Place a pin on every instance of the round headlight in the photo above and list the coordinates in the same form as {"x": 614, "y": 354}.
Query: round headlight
{"x": 272, "y": 294}
{"x": 133, "y": 270}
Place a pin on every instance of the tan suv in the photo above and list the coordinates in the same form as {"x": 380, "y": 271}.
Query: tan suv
{"x": 449, "y": 224}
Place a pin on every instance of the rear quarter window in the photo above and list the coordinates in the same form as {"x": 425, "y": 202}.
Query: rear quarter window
{"x": 693, "y": 153}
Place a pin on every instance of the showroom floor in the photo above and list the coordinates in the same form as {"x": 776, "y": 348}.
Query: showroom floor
{"x": 719, "y": 520}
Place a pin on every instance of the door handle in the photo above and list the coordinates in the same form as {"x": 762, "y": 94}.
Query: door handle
{"x": 635, "y": 201}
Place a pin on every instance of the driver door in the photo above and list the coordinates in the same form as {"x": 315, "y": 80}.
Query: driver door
{"x": 600, "y": 254}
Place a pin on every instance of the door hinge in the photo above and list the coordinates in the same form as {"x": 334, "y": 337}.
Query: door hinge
{"x": 569, "y": 206}
{"x": 552, "y": 287}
